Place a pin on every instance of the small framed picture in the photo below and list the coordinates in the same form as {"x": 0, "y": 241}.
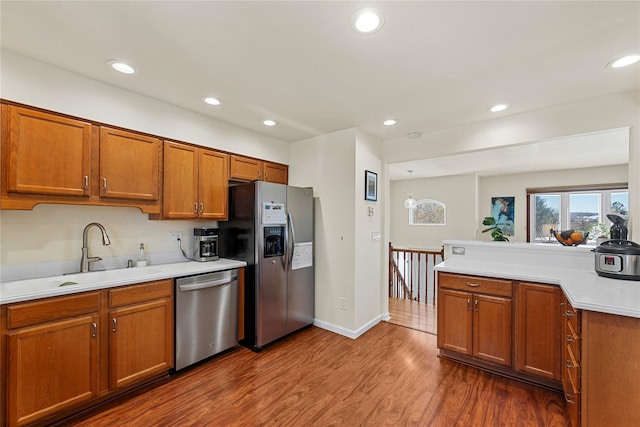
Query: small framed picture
{"x": 370, "y": 186}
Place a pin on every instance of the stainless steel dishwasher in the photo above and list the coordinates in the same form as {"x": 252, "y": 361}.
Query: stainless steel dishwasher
{"x": 206, "y": 316}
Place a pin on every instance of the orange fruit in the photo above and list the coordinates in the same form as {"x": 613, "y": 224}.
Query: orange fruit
{"x": 569, "y": 241}
{"x": 577, "y": 236}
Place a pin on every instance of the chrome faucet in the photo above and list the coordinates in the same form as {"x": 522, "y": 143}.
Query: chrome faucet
{"x": 86, "y": 259}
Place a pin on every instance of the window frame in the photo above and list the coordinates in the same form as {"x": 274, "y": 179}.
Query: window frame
{"x": 604, "y": 190}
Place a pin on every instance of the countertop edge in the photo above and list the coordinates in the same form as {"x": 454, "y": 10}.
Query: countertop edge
{"x": 570, "y": 287}
{"x": 157, "y": 272}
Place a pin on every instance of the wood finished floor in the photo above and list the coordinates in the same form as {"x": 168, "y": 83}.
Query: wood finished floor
{"x": 390, "y": 376}
{"x": 413, "y": 314}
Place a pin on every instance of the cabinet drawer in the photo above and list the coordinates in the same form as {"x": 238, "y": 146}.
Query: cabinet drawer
{"x": 139, "y": 293}
{"x": 572, "y": 340}
{"x": 475, "y": 284}
{"x": 573, "y": 317}
{"x": 30, "y": 313}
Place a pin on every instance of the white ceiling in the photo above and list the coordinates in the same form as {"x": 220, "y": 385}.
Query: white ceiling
{"x": 433, "y": 65}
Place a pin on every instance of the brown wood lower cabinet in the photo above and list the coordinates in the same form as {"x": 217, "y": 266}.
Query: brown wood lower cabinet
{"x": 509, "y": 327}
{"x": 537, "y": 330}
{"x": 474, "y": 317}
{"x": 53, "y": 357}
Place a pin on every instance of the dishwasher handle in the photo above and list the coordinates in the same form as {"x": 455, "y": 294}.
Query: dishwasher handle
{"x": 207, "y": 284}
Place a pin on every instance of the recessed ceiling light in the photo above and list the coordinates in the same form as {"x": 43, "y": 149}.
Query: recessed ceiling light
{"x": 414, "y": 135}
{"x": 212, "y": 101}
{"x": 269, "y": 123}
{"x": 367, "y": 21}
{"x": 121, "y": 66}
{"x": 389, "y": 122}
{"x": 497, "y": 108}
{"x": 624, "y": 61}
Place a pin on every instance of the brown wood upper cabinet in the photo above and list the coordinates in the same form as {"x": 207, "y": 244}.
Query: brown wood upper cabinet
{"x": 129, "y": 165}
{"x": 45, "y": 154}
{"x": 248, "y": 169}
{"x": 196, "y": 183}
{"x": 53, "y": 158}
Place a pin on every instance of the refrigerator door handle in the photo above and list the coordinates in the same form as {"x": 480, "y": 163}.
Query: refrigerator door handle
{"x": 293, "y": 238}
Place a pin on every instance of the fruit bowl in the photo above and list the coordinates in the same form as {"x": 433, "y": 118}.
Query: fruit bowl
{"x": 571, "y": 237}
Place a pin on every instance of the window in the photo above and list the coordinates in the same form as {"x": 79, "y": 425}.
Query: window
{"x": 579, "y": 209}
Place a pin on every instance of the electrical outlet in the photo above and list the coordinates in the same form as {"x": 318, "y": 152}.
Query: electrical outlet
{"x": 342, "y": 303}
{"x": 174, "y": 236}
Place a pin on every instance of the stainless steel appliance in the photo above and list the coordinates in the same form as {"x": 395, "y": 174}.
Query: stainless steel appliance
{"x": 270, "y": 227}
{"x": 618, "y": 259}
{"x": 206, "y": 316}
{"x": 206, "y": 244}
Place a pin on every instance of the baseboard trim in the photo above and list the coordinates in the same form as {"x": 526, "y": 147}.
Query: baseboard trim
{"x": 348, "y": 332}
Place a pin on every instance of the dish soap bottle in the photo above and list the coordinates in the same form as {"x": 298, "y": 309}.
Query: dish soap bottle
{"x": 142, "y": 258}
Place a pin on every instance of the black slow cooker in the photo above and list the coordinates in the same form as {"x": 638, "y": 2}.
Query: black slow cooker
{"x": 618, "y": 259}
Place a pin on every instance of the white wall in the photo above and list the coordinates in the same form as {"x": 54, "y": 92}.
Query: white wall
{"x": 515, "y": 185}
{"x": 326, "y": 163}
{"x": 368, "y": 253}
{"x": 51, "y": 235}
{"x": 41, "y": 85}
{"x": 459, "y": 195}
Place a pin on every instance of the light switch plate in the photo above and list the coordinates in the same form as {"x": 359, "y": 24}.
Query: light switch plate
{"x": 457, "y": 250}
{"x": 375, "y": 236}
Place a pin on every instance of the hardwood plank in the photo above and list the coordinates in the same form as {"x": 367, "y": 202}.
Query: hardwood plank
{"x": 391, "y": 375}
{"x": 413, "y": 314}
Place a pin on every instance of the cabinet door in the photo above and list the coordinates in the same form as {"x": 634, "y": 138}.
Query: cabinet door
{"x": 52, "y": 367}
{"x": 129, "y": 165}
{"x": 214, "y": 185}
{"x": 455, "y": 321}
{"x": 537, "y": 330}
{"x": 274, "y": 172}
{"x": 47, "y": 154}
{"x": 492, "y": 329}
{"x": 244, "y": 168}
{"x": 140, "y": 342}
{"x": 180, "y": 181}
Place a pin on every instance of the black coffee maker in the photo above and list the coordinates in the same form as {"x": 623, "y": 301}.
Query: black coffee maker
{"x": 618, "y": 230}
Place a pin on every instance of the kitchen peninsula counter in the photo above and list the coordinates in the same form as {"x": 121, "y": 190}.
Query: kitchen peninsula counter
{"x": 571, "y": 268}
{"x": 31, "y": 289}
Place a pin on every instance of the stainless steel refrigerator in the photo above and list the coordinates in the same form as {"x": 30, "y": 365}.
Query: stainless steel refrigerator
{"x": 270, "y": 227}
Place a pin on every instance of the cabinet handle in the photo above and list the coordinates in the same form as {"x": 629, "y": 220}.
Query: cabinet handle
{"x": 86, "y": 182}
{"x": 201, "y": 207}
{"x": 468, "y": 304}
{"x": 473, "y": 285}
{"x": 266, "y": 175}
{"x": 569, "y": 339}
{"x": 94, "y": 331}
{"x": 569, "y": 364}
{"x": 476, "y": 304}
{"x": 569, "y": 398}
{"x": 104, "y": 184}
{"x": 115, "y": 324}
{"x": 195, "y": 207}
{"x": 258, "y": 173}
{"x": 570, "y": 313}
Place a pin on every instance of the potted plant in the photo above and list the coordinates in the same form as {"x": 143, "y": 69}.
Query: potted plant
{"x": 600, "y": 231}
{"x": 494, "y": 228}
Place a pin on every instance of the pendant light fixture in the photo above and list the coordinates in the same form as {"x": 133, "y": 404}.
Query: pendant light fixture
{"x": 410, "y": 202}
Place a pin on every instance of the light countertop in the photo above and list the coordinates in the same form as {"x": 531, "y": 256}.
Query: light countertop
{"x": 570, "y": 268}
{"x": 30, "y": 289}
